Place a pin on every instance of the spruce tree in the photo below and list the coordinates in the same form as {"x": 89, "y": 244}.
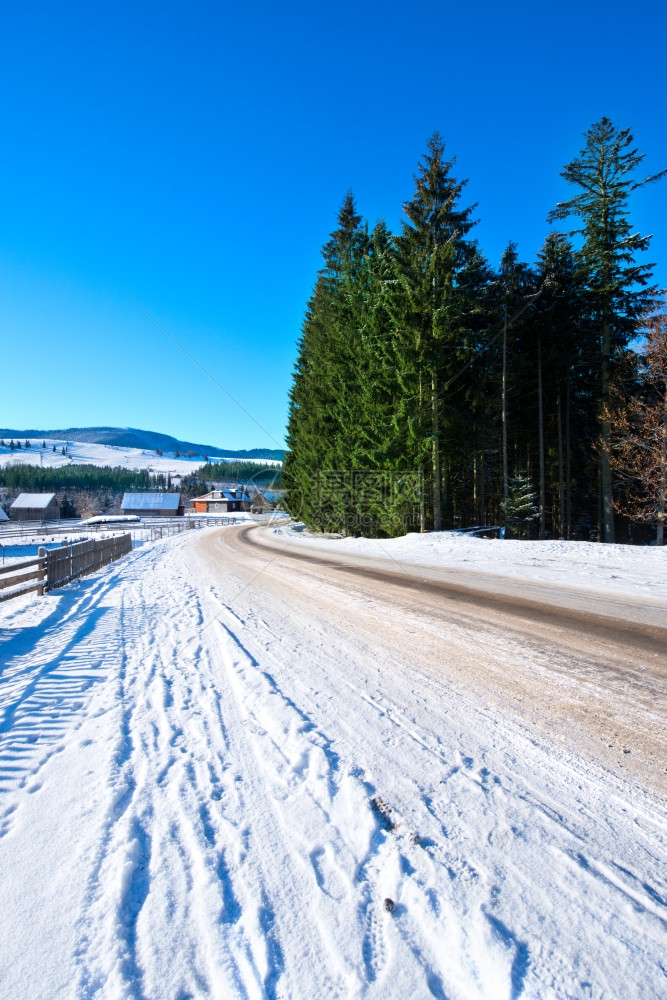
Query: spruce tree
{"x": 310, "y": 424}
{"x": 325, "y": 411}
{"x": 434, "y": 253}
{"x": 568, "y": 373}
{"x": 620, "y": 289}
{"x": 518, "y": 290}
{"x": 387, "y": 490}
{"x": 520, "y": 508}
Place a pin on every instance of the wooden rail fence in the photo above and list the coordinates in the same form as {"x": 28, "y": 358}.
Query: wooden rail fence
{"x": 20, "y": 573}
{"x": 55, "y": 567}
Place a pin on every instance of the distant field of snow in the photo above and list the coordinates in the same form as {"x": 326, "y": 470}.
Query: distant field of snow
{"x": 623, "y": 569}
{"x": 84, "y": 453}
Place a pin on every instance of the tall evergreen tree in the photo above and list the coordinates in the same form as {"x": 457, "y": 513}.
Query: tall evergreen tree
{"x": 620, "y": 289}
{"x": 434, "y": 253}
{"x": 325, "y": 393}
{"x": 520, "y": 506}
{"x": 413, "y": 360}
{"x": 563, "y": 367}
{"x": 518, "y": 286}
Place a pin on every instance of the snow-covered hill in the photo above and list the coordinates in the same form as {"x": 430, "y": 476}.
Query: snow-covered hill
{"x": 134, "y": 437}
{"x": 87, "y": 453}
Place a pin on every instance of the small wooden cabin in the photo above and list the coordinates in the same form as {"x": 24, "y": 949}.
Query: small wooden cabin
{"x": 221, "y": 501}
{"x": 261, "y": 504}
{"x": 35, "y": 507}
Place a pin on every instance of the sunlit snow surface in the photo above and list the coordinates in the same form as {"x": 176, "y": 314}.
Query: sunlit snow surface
{"x": 203, "y": 794}
{"x": 85, "y": 453}
{"x": 623, "y": 569}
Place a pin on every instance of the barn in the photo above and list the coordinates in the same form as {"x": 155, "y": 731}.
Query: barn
{"x": 221, "y": 502}
{"x": 261, "y": 504}
{"x": 152, "y": 504}
{"x": 35, "y": 507}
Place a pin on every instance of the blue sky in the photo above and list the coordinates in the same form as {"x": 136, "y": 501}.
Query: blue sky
{"x": 193, "y": 157}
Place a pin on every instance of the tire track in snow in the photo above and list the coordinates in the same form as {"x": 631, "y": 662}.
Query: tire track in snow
{"x": 287, "y": 740}
{"x": 194, "y": 872}
{"x": 236, "y": 851}
{"x": 472, "y": 877}
{"x": 115, "y": 943}
{"x": 267, "y": 773}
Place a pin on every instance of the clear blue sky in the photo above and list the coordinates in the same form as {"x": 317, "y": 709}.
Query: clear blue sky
{"x": 194, "y": 155}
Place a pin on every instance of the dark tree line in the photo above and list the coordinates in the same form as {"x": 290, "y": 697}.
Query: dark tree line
{"x": 41, "y": 479}
{"x": 239, "y": 472}
{"x": 75, "y": 477}
{"x": 431, "y": 390}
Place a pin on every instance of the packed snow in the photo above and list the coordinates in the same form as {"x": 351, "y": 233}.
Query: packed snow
{"x": 209, "y": 792}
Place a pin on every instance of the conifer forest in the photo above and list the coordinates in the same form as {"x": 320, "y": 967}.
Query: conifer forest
{"x": 432, "y": 391}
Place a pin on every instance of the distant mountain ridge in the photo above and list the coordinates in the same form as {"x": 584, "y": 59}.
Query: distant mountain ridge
{"x": 132, "y": 437}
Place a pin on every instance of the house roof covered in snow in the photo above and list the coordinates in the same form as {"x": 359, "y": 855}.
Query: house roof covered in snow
{"x": 33, "y": 500}
{"x": 150, "y": 501}
{"x": 3, "y": 516}
{"x": 232, "y": 496}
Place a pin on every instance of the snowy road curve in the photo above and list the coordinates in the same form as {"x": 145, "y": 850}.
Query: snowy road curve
{"x": 216, "y": 763}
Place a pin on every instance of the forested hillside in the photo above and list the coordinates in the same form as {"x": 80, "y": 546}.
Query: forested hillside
{"x": 433, "y": 391}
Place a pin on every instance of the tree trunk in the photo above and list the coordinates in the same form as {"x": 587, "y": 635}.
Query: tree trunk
{"x": 506, "y": 491}
{"x": 561, "y": 491}
{"x": 422, "y": 501}
{"x": 482, "y": 511}
{"x": 663, "y": 476}
{"x": 437, "y": 508}
{"x": 606, "y": 485}
{"x": 541, "y": 436}
{"x": 568, "y": 474}
{"x": 474, "y": 486}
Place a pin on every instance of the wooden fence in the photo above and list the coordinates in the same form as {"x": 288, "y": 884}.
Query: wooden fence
{"x": 16, "y": 575}
{"x": 58, "y": 566}
{"x": 71, "y": 561}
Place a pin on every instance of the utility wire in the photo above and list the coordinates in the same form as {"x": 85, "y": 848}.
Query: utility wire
{"x": 206, "y": 372}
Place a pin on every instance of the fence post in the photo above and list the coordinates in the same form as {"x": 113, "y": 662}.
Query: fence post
{"x": 41, "y": 552}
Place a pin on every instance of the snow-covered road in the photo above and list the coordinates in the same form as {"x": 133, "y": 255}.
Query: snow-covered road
{"x": 217, "y": 762}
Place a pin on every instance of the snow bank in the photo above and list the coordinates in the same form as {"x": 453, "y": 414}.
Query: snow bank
{"x": 634, "y": 570}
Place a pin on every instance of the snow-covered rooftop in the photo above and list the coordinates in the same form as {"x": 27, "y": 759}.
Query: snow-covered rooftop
{"x": 150, "y": 501}
{"x": 33, "y": 500}
{"x": 223, "y": 494}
